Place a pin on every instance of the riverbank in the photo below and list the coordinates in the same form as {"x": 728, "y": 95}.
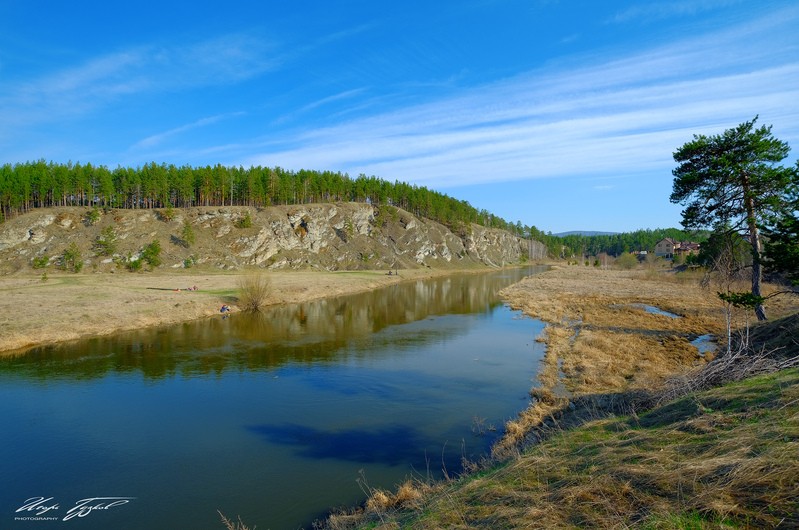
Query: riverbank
{"x": 616, "y": 340}
{"x": 66, "y": 306}
{"x": 608, "y": 332}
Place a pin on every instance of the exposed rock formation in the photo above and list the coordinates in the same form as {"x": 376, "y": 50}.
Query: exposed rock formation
{"x": 341, "y": 236}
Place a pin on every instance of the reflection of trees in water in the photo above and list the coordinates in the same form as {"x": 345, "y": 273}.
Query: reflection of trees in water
{"x": 314, "y": 332}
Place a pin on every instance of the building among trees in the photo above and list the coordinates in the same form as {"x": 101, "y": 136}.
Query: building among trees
{"x": 669, "y": 248}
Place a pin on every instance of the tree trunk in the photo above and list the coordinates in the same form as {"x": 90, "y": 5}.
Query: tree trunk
{"x": 754, "y": 240}
{"x": 757, "y": 270}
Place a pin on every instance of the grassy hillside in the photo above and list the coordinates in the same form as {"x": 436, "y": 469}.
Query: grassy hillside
{"x": 722, "y": 458}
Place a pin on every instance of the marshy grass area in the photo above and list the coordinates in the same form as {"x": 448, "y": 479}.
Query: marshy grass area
{"x": 629, "y": 426}
{"x": 602, "y": 341}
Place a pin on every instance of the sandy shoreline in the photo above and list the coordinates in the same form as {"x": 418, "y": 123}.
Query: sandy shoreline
{"x": 72, "y": 306}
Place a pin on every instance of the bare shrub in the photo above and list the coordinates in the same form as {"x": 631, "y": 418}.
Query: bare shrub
{"x": 254, "y": 290}
{"x": 233, "y": 525}
{"x": 736, "y": 365}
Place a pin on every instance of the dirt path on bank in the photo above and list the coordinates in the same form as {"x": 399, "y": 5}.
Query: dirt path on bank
{"x": 71, "y": 306}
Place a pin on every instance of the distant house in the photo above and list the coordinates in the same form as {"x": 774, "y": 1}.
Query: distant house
{"x": 668, "y": 248}
{"x": 687, "y": 248}
{"x": 665, "y": 248}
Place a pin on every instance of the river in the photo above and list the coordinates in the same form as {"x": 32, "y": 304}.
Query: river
{"x": 274, "y": 418}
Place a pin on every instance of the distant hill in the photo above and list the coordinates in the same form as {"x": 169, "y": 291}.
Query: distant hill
{"x": 585, "y": 233}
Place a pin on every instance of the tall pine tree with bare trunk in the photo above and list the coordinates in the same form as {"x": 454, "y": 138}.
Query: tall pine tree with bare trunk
{"x": 733, "y": 181}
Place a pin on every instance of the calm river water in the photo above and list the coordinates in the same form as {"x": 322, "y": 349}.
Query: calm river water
{"x": 273, "y": 418}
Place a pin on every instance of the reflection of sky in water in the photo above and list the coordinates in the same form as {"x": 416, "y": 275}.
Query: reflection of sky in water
{"x": 704, "y": 343}
{"x": 240, "y": 415}
{"x": 655, "y": 310}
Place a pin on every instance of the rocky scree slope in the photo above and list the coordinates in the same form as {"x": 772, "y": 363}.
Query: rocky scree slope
{"x": 343, "y": 236}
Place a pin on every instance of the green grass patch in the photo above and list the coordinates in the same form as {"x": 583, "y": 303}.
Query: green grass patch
{"x": 361, "y": 273}
{"x": 688, "y": 521}
{"x": 222, "y": 292}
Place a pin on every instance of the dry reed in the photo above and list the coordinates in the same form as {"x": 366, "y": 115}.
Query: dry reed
{"x": 233, "y": 525}
{"x": 254, "y": 291}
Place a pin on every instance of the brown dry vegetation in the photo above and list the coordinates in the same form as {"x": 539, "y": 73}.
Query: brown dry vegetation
{"x": 253, "y": 292}
{"x": 602, "y": 340}
{"x": 714, "y": 459}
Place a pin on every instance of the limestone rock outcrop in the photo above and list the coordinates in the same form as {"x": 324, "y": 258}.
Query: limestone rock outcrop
{"x": 342, "y": 236}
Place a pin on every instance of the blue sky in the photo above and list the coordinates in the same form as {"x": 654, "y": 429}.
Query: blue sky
{"x": 559, "y": 114}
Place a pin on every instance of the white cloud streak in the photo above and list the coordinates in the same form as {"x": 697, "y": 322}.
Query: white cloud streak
{"x": 159, "y": 138}
{"x": 621, "y": 117}
{"x": 146, "y": 69}
{"x": 320, "y": 103}
{"x": 651, "y": 11}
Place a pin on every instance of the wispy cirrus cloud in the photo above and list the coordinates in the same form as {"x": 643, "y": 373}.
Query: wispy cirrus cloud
{"x": 159, "y": 138}
{"x": 347, "y": 94}
{"x": 651, "y": 11}
{"x": 145, "y": 69}
{"x": 335, "y": 97}
{"x": 618, "y": 116}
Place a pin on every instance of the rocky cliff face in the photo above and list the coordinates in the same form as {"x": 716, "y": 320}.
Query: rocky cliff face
{"x": 344, "y": 236}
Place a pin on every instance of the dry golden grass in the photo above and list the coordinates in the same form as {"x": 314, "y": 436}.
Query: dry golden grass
{"x": 379, "y": 502}
{"x": 601, "y": 337}
{"x": 407, "y": 495}
{"x": 722, "y": 458}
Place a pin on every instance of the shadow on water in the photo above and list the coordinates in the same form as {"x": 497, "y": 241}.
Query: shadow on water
{"x": 394, "y": 445}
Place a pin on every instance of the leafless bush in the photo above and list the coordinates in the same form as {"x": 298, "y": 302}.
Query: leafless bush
{"x": 735, "y": 365}
{"x": 254, "y": 290}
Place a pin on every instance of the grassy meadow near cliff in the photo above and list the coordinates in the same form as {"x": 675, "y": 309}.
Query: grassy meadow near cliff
{"x": 630, "y": 426}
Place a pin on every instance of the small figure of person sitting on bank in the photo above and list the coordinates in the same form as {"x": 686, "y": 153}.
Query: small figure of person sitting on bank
{"x": 224, "y": 309}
